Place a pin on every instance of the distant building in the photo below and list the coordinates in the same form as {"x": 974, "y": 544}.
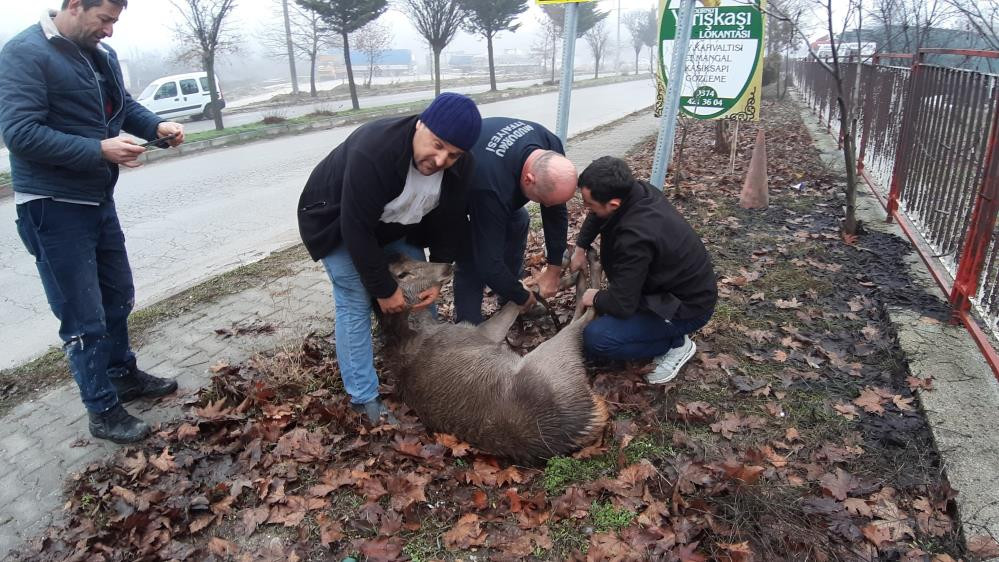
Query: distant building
{"x": 899, "y": 39}
{"x": 393, "y": 62}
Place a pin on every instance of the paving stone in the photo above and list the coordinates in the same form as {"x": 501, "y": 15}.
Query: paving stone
{"x": 15, "y": 443}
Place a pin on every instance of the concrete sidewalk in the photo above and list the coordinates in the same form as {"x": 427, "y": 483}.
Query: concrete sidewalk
{"x": 45, "y": 440}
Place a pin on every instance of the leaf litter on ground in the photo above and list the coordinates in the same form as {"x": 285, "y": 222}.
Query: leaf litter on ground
{"x": 792, "y": 435}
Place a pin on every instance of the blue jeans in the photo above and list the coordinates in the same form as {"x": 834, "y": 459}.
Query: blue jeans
{"x": 640, "y": 336}
{"x": 468, "y": 284}
{"x": 80, "y": 254}
{"x": 352, "y": 326}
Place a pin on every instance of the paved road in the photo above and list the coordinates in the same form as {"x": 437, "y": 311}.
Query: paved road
{"x": 187, "y": 219}
{"x": 246, "y": 116}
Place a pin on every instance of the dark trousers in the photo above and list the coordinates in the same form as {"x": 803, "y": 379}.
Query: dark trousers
{"x": 468, "y": 284}
{"x": 80, "y": 254}
{"x": 640, "y": 336}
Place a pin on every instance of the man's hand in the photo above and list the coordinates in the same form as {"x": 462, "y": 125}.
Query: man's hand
{"x": 530, "y": 303}
{"x": 588, "y": 297}
{"x": 394, "y": 304}
{"x": 122, "y": 151}
{"x": 428, "y": 298}
{"x": 578, "y": 260}
{"x": 547, "y": 282}
{"x": 168, "y": 128}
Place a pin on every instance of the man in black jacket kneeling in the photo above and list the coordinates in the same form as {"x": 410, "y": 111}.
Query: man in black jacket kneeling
{"x": 661, "y": 284}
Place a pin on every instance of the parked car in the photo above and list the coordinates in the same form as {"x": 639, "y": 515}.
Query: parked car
{"x": 181, "y": 95}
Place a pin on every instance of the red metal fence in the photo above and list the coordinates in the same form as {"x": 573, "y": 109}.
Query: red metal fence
{"x": 927, "y": 138}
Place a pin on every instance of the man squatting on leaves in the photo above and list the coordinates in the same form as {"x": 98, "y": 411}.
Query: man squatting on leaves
{"x": 516, "y": 161}
{"x": 661, "y": 284}
{"x": 63, "y": 105}
{"x": 395, "y": 186}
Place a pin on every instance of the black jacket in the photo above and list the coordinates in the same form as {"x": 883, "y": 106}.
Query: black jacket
{"x": 653, "y": 259}
{"x": 347, "y": 192}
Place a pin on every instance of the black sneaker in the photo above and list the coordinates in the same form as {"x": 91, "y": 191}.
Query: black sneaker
{"x": 118, "y": 425}
{"x": 140, "y": 384}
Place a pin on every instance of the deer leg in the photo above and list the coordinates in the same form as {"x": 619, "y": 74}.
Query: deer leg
{"x": 498, "y": 325}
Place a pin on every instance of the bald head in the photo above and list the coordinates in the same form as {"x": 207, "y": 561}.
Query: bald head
{"x": 548, "y": 178}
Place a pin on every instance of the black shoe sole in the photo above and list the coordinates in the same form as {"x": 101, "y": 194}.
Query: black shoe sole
{"x": 136, "y": 394}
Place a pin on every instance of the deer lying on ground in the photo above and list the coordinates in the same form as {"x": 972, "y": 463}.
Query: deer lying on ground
{"x": 464, "y": 380}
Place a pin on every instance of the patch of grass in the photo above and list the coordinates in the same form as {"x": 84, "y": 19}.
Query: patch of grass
{"x": 4, "y": 178}
{"x": 534, "y": 211}
{"x": 787, "y": 282}
{"x": 648, "y": 447}
{"x": 810, "y": 409}
{"x": 426, "y": 544}
{"x": 567, "y": 539}
{"x": 607, "y": 518}
{"x": 562, "y": 471}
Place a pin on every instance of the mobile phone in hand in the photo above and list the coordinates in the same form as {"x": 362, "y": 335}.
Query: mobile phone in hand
{"x": 160, "y": 142}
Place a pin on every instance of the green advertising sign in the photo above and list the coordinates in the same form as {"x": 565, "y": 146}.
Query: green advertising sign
{"x": 724, "y": 67}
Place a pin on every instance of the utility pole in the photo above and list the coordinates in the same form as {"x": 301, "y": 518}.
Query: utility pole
{"x": 291, "y": 49}
{"x": 568, "y": 59}
{"x": 617, "y": 46}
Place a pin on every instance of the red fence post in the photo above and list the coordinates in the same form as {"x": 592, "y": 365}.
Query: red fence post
{"x": 900, "y": 169}
{"x": 983, "y": 221}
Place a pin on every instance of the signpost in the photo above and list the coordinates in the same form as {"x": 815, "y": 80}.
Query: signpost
{"x": 716, "y": 66}
{"x": 568, "y": 58}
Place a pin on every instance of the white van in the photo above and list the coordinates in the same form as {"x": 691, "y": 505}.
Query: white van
{"x": 181, "y": 95}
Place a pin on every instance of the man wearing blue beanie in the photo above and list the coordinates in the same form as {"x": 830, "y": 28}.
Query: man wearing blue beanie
{"x": 395, "y": 186}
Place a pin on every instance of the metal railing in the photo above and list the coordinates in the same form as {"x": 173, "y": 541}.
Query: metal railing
{"x": 927, "y": 138}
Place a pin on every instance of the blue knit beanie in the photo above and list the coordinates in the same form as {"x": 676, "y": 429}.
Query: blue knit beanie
{"x": 454, "y": 118}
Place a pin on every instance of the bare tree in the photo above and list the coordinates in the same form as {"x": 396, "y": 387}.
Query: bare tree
{"x": 490, "y": 17}
{"x": 546, "y": 46}
{"x": 587, "y": 16}
{"x": 981, "y": 16}
{"x": 344, "y": 17}
{"x": 635, "y": 22}
{"x": 309, "y": 37}
{"x": 437, "y": 21}
{"x": 847, "y": 96}
{"x": 597, "y": 38}
{"x": 373, "y": 40}
{"x": 906, "y": 24}
{"x": 204, "y": 28}
{"x": 650, "y": 36}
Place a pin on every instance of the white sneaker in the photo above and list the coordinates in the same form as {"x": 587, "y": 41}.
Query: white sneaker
{"x": 668, "y": 365}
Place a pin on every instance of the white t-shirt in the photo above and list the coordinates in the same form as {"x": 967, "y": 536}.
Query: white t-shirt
{"x": 419, "y": 196}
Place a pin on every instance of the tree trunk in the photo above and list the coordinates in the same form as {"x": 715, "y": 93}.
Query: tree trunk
{"x": 312, "y": 74}
{"x": 291, "y": 50}
{"x": 850, "y": 156}
{"x": 596, "y": 69}
{"x": 350, "y": 72}
{"x": 652, "y": 61}
{"x": 437, "y": 72}
{"x": 213, "y": 89}
{"x": 723, "y": 137}
{"x": 371, "y": 71}
{"x": 492, "y": 65}
{"x": 637, "y": 52}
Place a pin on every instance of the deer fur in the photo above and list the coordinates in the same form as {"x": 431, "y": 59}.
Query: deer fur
{"x": 464, "y": 380}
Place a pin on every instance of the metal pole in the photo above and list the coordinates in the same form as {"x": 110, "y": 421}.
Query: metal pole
{"x": 677, "y": 66}
{"x": 617, "y": 46}
{"x": 291, "y": 50}
{"x": 568, "y": 57}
